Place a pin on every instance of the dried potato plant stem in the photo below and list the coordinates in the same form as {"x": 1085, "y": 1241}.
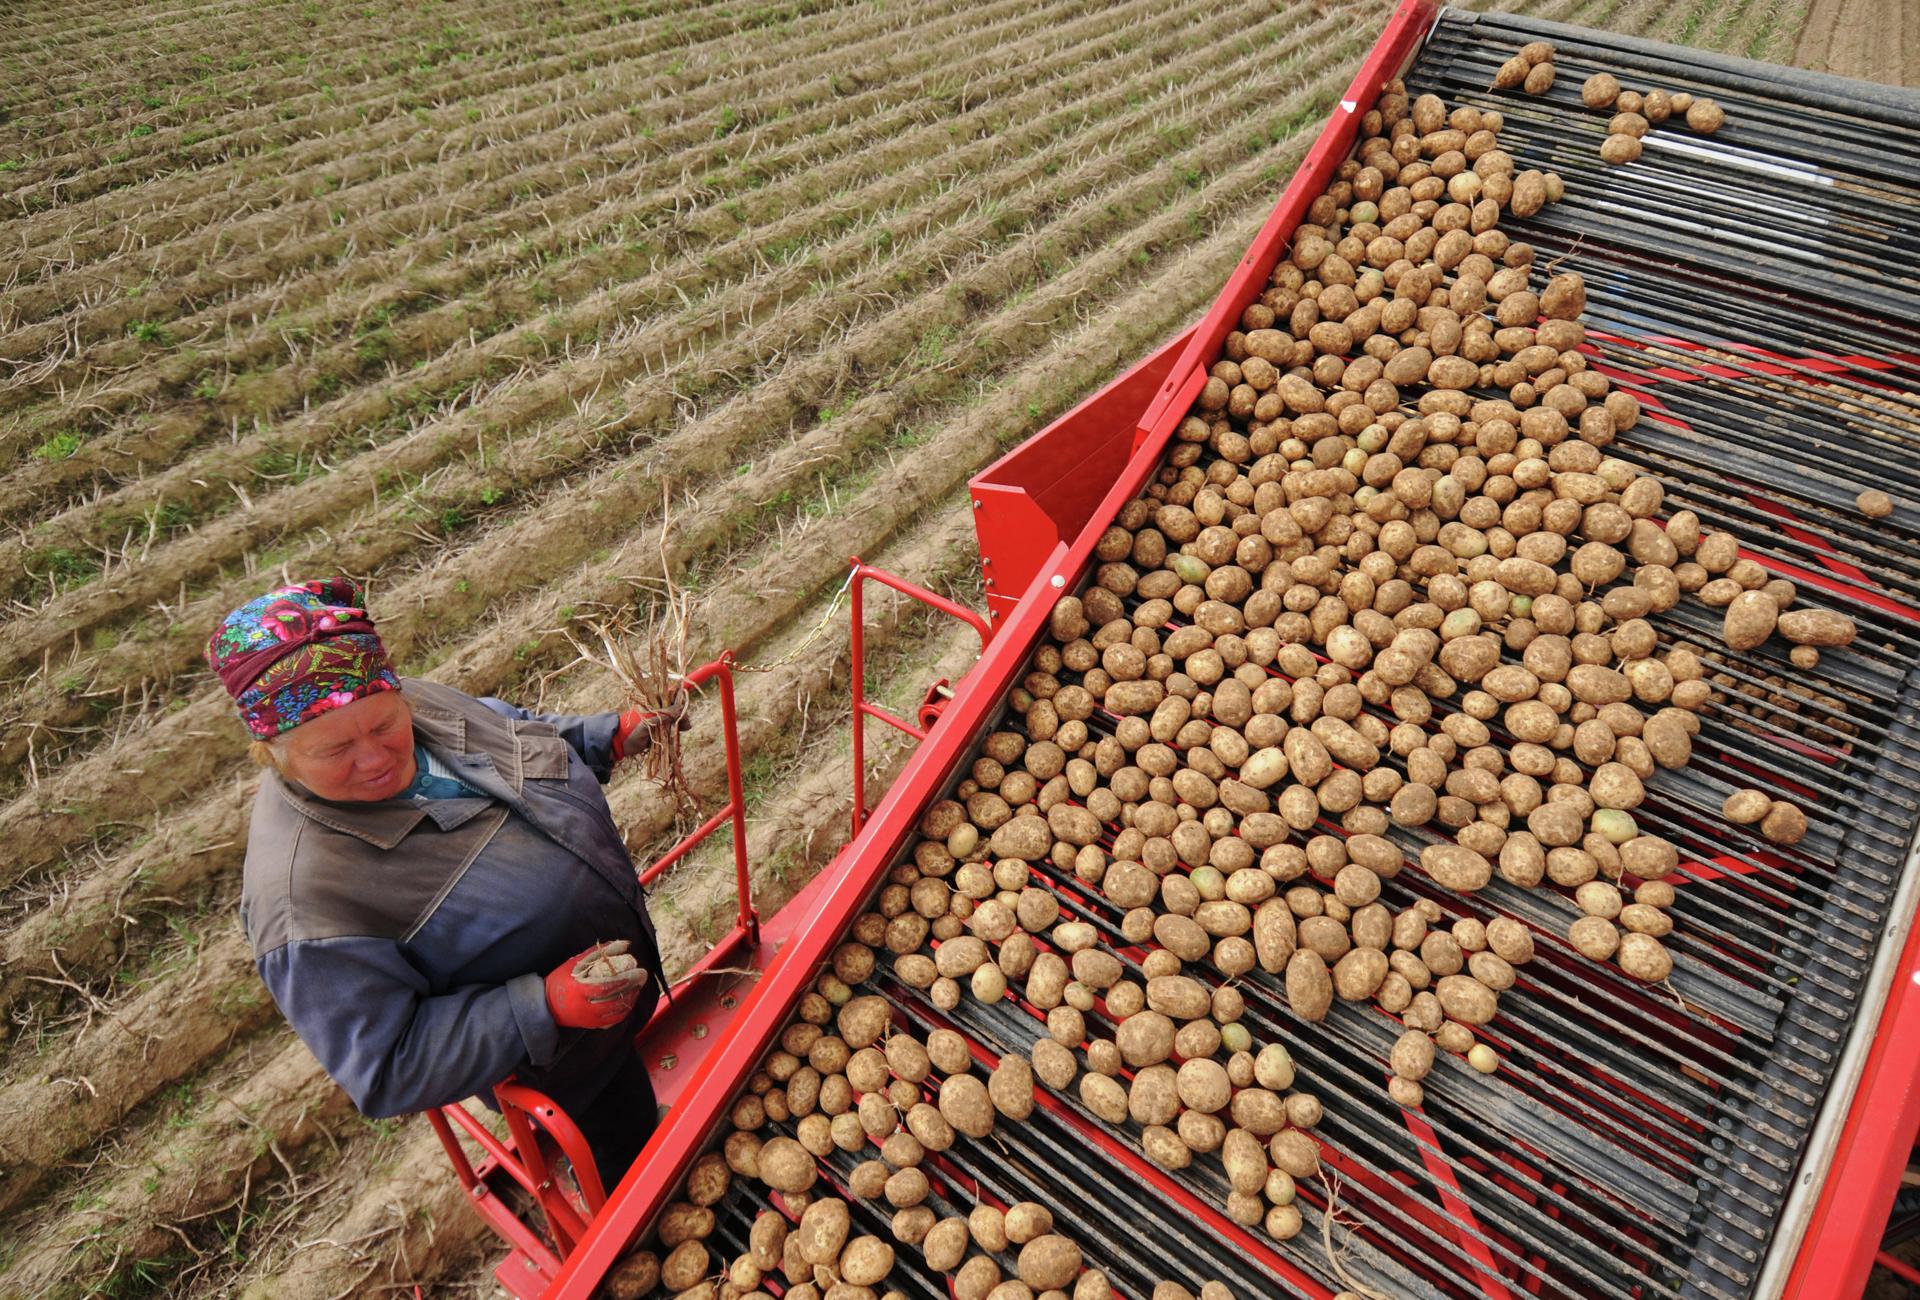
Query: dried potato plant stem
{"x": 651, "y": 665}
{"x": 1337, "y": 1258}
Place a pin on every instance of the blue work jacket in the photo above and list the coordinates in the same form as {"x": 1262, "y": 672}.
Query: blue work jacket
{"x": 408, "y": 943}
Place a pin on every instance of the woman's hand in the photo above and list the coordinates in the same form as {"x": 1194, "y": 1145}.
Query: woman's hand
{"x": 634, "y": 736}
{"x": 596, "y": 989}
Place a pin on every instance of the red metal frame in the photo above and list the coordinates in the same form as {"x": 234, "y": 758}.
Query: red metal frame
{"x": 863, "y": 708}
{"x": 746, "y": 926}
{"x": 1039, "y": 512}
{"x": 1044, "y": 491}
{"x": 1837, "y": 1252}
{"x": 530, "y": 1263}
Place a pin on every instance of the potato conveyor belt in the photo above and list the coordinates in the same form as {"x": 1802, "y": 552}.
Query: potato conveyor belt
{"x": 1757, "y": 291}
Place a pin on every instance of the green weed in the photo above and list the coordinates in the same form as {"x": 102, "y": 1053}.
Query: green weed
{"x": 60, "y": 446}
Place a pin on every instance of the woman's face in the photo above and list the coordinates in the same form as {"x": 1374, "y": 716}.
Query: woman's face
{"x": 358, "y": 753}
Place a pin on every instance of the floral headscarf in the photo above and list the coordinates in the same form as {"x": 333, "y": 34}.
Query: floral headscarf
{"x": 292, "y": 654}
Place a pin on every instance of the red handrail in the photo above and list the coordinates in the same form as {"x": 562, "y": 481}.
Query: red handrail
{"x": 862, "y": 709}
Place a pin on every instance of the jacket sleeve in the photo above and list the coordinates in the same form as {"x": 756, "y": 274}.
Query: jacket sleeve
{"x": 366, "y": 1014}
{"x": 591, "y": 734}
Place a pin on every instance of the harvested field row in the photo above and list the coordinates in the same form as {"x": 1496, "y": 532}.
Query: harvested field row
{"x": 447, "y": 239}
{"x": 92, "y": 179}
{"x": 613, "y": 293}
{"x": 643, "y": 228}
{"x": 311, "y": 191}
{"x": 314, "y": 57}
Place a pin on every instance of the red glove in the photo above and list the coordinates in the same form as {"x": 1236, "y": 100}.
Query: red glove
{"x": 635, "y": 732}
{"x": 597, "y": 989}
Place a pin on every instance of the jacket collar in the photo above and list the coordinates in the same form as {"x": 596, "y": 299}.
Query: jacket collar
{"x": 493, "y": 765}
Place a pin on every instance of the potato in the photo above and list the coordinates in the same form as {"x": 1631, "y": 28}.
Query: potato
{"x": 1465, "y": 999}
{"x": 1616, "y": 786}
{"x": 1179, "y": 996}
{"x": 1749, "y": 620}
{"x": 682, "y": 1221}
{"x": 1510, "y": 939}
{"x": 869, "y": 1178}
{"x": 965, "y": 1104}
{"x": 1817, "y": 627}
{"x": 684, "y": 1266}
{"x": 1054, "y": 1063}
{"x": 1705, "y": 116}
{"x": 1260, "y": 1111}
{"x": 866, "y": 1261}
{"x": 1274, "y": 935}
{"x": 1096, "y": 968}
{"x": 1048, "y": 1262}
{"x": 1165, "y": 1147}
{"x": 1028, "y": 1220}
{"x": 945, "y": 1244}
{"x": 1294, "y": 1153}
{"x": 1245, "y": 1157}
{"x": 1874, "y": 504}
{"x": 823, "y": 1230}
{"x": 767, "y": 1239}
{"x": 637, "y": 1275}
{"x": 1643, "y": 918}
{"x": 1412, "y": 1056}
{"x": 1594, "y": 937}
{"x": 1309, "y": 987}
{"x": 948, "y": 1051}
{"x": 1539, "y": 79}
{"x": 863, "y": 1020}
{"x": 929, "y": 1127}
{"x": 1359, "y": 974}
{"x": 906, "y": 1188}
{"x": 1026, "y": 837}
{"x": 1092, "y": 1285}
{"x": 1153, "y": 1097}
{"x": 1627, "y": 124}
{"x": 1643, "y": 957}
{"x": 1203, "y": 1086}
{"x": 1620, "y": 149}
{"x": 977, "y": 1277}
{"x": 1010, "y": 1087}
{"x": 786, "y": 1166}
{"x": 1784, "y": 823}
{"x": 1456, "y": 867}
{"x": 1104, "y": 1097}
{"x": 1745, "y": 807}
{"x": 1492, "y": 970}
{"x": 1600, "y": 90}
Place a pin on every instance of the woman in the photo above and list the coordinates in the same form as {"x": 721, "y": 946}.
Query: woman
{"x": 431, "y": 879}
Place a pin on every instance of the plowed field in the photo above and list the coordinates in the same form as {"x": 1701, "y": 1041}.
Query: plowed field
{"x": 515, "y": 308}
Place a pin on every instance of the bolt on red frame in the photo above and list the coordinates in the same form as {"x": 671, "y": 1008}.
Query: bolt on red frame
{"x": 862, "y": 709}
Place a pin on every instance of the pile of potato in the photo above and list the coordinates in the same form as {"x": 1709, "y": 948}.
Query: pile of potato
{"x": 1387, "y": 576}
{"x": 1635, "y": 113}
{"x": 844, "y": 1077}
{"x": 1532, "y": 70}
{"x": 1385, "y": 599}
